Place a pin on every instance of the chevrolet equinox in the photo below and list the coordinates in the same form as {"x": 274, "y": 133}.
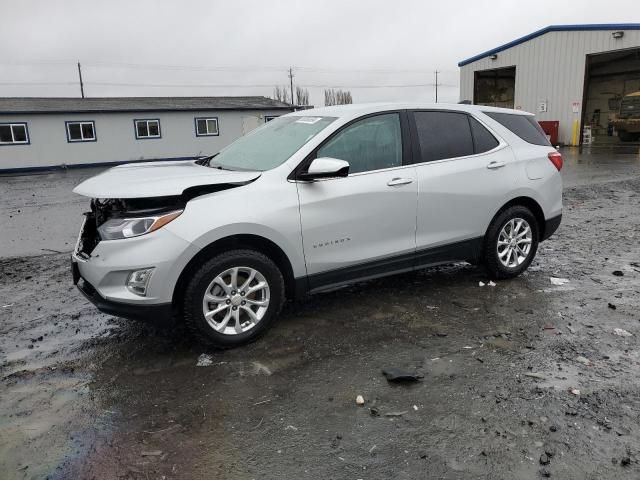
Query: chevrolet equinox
{"x": 313, "y": 200}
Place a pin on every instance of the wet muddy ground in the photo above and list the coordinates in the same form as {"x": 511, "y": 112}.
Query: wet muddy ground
{"x": 84, "y": 395}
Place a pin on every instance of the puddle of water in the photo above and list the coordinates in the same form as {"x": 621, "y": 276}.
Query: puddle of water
{"x": 44, "y": 424}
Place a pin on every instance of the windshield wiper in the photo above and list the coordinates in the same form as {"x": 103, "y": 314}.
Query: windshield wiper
{"x": 206, "y": 162}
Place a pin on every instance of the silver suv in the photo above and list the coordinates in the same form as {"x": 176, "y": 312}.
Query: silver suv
{"x": 313, "y": 200}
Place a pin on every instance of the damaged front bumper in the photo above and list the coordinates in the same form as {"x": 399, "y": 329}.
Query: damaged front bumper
{"x": 101, "y": 269}
{"x": 163, "y": 311}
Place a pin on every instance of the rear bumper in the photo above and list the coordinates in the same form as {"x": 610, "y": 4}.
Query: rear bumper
{"x": 161, "y": 311}
{"x": 550, "y": 226}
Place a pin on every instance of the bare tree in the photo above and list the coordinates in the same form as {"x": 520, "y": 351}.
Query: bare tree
{"x": 281, "y": 94}
{"x": 302, "y": 96}
{"x": 337, "y": 97}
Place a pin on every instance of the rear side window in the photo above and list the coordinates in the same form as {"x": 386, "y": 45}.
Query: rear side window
{"x": 483, "y": 140}
{"x": 524, "y": 126}
{"x": 443, "y": 135}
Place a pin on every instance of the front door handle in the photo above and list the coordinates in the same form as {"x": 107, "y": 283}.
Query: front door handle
{"x": 394, "y": 182}
{"x": 493, "y": 165}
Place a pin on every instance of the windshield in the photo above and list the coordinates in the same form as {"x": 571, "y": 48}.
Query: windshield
{"x": 270, "y": 145}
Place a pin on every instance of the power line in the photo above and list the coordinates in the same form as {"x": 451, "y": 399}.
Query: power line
{"x": 214, "y": 85}
{"x": 45, "y": 62}
{"x": 40, "y": 84}
{"x": 253, "y": 68}
{"x": 265, "y": 85}
{"x": 372, "y": 70}
{"x": 199, "y": 68}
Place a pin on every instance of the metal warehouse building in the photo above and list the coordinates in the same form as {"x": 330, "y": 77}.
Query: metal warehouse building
{"x": 41, "y": 133}
{"x": 575, "y": 75}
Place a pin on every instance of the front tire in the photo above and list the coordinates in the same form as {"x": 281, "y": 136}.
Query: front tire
{"x": 233, "y": 298}
{"x": 511, "y": 242}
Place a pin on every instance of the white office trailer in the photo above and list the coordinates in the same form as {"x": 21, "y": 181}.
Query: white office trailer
{"x": 45, "y": 133}
{"x": 573, "y": 77}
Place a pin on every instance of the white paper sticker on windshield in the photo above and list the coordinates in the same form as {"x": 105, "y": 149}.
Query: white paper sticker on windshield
{"x": 309, "y": 120}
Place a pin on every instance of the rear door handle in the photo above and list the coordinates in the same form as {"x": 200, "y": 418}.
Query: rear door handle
{"x": 493, "y": 165}
{"x": 394, "y": 182}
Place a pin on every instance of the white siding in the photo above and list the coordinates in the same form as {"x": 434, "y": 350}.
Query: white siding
{"x": 550, "y": 67}
{"x": 116, "y": 140}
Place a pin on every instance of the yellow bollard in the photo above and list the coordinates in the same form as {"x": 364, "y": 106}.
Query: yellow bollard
{"x": 574, "y": 138}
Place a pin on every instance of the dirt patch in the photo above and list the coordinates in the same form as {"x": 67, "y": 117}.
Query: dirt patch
{"x": 85, "y": 395}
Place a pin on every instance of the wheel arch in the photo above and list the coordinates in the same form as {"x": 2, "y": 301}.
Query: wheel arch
{"x": 529, "y": 203}
{"x": 234, "y": 242}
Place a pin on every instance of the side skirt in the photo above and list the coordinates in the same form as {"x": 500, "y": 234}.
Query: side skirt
{"x": 459, "y": 251}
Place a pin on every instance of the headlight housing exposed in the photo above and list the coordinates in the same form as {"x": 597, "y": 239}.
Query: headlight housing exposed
{"x": 118, "y": 228}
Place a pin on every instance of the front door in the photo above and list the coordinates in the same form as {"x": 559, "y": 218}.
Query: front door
{"x": 362, "y": 225}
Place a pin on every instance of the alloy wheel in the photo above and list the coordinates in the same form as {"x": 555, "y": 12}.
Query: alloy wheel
{"x": 514, "y": 242}
{"x": 236, "y": 300}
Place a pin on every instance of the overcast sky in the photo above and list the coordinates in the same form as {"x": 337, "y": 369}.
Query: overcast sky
{"x": 237, "y": 47}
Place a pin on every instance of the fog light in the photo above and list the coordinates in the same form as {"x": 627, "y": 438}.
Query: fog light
{"x": 138, "y": 281}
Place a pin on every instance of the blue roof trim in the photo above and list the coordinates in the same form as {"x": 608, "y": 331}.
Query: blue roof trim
{"x": 553, "y": 28}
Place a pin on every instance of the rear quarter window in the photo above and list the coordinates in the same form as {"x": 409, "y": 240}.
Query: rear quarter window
{"x": 524, "y": 126}
{"x": 483, "y": 140}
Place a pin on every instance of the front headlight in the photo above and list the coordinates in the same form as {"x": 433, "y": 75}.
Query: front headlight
{"x": 117, "y": 228}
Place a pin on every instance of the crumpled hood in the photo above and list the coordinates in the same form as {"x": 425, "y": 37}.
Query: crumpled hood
{"x": 158, "y": 179}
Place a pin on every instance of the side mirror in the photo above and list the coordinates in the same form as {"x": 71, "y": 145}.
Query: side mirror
{"x": 325, "y": 167}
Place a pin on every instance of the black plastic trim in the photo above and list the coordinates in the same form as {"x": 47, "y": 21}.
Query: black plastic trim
{"x": 306, "y": 176}
{"x": 162, "y": 311}
{"x": 464, "y": 250}
{"x": 550, "y": 226}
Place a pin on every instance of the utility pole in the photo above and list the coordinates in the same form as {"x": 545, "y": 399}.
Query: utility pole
{"x": 291, "y": 84}
{"x": 437, "y": 86}
{"x": 81, "y": 84}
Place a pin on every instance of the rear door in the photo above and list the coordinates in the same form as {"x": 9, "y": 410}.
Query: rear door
{"x": 362, "y": 225}
{"x": 464, "y": 172}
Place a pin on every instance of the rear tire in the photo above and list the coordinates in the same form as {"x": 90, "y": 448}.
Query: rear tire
{"x": 511, "y": 242}
{"x": 233, "y": 298}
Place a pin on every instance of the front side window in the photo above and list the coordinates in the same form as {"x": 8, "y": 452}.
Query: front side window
{"x": 206, "y": 127}
{"x": 268, "y": 118}
{"x": 443, "y": 135}
{"x": 271, "y": 144}
{"x": 13, "y": 134}
{"x": 81, "y": 131}
{"x": 373, "y": 143}
{"x": 147, "y": 128}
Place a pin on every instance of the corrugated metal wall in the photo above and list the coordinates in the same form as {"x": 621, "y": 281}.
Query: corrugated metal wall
{"x": 550, "y": 68}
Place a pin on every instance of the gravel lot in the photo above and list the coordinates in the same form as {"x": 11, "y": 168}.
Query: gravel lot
{"x": 526, "y": 379}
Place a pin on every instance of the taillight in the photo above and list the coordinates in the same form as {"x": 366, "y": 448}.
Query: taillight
{"x": 556, "y": 159}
